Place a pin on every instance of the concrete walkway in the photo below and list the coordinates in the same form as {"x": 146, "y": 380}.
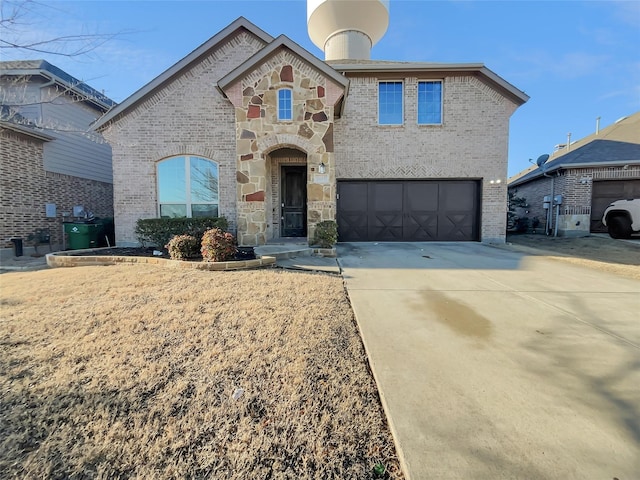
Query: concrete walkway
{"x": 496, "y": 365}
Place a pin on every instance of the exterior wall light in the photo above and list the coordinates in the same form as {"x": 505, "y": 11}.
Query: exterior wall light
{"x": 321, "y": 168}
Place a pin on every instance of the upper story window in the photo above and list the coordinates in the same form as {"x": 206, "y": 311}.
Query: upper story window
{"x": 285, "y": 110}
{"x": 188, "y": 187}
{"x": 430, "y": 103}
{"x": 390, "y": 103}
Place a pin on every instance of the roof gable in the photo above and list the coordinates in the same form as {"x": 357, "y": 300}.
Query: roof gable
{"x": 272, "y": 49}
{"x": 50, "y": 72}
{"x": 240, "y": 24}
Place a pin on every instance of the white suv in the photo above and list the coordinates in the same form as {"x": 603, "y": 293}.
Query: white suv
{"x": 622, "y": 218}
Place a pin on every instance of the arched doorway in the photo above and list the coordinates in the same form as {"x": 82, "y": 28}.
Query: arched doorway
{"x": 288, "y": 193}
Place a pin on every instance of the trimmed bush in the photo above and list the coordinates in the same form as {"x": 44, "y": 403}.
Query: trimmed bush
{"x": 218, "y": 246}
{"x": 326, "y": 234}
{"x": 183, "y": 247}
{"x": 158, "y": 231}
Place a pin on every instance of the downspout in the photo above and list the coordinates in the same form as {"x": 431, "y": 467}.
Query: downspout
{"x": 549, "y": 224}
{"x": 555, "y": 227}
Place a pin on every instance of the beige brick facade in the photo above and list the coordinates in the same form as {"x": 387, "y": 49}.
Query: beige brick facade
{"x": 25, "y": 189}
{"x": 188, "y": 116}
{"x": 472, "y": 141}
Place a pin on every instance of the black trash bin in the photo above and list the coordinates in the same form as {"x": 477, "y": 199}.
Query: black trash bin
{"x": 17, "y": 246}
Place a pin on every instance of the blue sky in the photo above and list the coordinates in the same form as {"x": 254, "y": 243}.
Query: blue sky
{"x": 577, "y": 60}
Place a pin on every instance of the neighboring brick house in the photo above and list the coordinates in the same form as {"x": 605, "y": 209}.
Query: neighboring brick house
{"x": 589, "y": 174}
{"x": 49, "y": 157}
{"x": 259, "y": 130}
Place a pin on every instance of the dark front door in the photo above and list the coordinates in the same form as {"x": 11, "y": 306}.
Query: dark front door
{"x": 294, "y": 201}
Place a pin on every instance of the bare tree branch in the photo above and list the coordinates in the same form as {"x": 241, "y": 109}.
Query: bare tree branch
{"x": 18, "y": 15}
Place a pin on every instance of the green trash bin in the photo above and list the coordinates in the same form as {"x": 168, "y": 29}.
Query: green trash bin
{"x": 82, "y": 235}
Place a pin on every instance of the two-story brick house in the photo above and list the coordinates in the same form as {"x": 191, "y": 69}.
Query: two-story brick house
{"x": 259, "y": 130}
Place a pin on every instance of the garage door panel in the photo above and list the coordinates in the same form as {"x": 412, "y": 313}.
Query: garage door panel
{"x": 458, "y": 196}
{"x": 421, "y": 196}
{"x": 386, "y": 196}
{"x": 421, "y": 227}
{"x": 353, "y": 196}
{"x": 408, "y": 210}
{"x": 352, "y": 224}
{"x": 455, "y": 226}
{"x": 385, "y": 232}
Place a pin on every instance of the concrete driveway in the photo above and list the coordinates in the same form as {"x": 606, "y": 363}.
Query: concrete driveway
{"x": 493, "y": 364}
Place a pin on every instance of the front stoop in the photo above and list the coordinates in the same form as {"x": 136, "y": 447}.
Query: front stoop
{"x": 294, "y": 256}
{"x": 281, "y": 252}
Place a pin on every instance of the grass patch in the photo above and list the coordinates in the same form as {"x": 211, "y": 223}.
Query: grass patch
{"x": 139, "y": 371}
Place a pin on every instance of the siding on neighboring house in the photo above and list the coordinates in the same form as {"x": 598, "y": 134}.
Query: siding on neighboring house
{"x": 76, "y": 151}
{"x": 25, "y": 189}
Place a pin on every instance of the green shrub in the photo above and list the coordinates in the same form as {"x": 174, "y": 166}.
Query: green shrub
{"x": 183, "y": 247}
{"x": 158, "y": 231}
{"x": 326, "y": 234}
{"x": 218, "y": 246}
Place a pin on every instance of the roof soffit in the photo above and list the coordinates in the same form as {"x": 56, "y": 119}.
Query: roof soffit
{"x": 433, "y": 70}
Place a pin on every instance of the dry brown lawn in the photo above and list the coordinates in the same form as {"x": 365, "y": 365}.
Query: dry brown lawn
{"x": 620, "y": 257}
{"x": 135, "y": 371}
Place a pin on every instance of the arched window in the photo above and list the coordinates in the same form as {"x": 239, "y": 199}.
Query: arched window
{"x": 188, "y": 187}
{"x": 285, "y": 110}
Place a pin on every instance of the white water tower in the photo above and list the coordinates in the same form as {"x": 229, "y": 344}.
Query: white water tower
{"x": 347, "y": 29}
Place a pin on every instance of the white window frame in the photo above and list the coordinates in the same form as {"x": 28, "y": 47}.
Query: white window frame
{"x": 280, "y": 118}
{"x": 430, "y": 80}
{"x": 187, "y": 167}
{"x": 401, "y": 82}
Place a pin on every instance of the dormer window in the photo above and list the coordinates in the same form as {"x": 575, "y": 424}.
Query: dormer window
{"x": 285, "y": 110}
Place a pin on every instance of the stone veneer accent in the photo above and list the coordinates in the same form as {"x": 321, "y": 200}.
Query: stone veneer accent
{"x": 259, "y": 133}
{"x": 26, "y": 187}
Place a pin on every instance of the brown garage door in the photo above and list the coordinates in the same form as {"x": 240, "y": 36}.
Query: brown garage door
{"x": 408, "y": 210}
{"x": 607, "y": 191}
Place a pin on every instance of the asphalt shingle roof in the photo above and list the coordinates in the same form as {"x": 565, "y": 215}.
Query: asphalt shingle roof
{"x": 616, "y": 144}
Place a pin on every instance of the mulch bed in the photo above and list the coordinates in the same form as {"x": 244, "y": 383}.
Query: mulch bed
{"x": 244, "y": 253}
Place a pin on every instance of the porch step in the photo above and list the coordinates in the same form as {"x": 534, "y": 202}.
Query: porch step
{"x": 281, "y": 252}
